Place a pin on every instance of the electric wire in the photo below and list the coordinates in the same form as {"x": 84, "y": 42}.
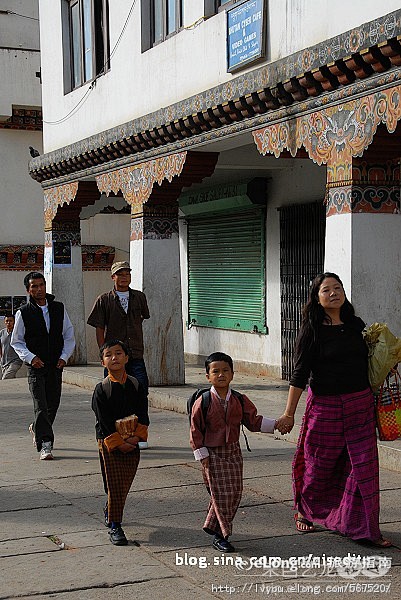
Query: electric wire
{"x": 93, "y": 83}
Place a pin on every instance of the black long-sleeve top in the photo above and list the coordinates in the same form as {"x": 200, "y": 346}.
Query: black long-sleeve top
{"x": 337, "y": 363}
{"x": 124, "y": 401}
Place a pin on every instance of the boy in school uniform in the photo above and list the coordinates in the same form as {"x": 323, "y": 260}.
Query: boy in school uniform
{"x": 121, "y": 408}
{"x": 215, "y": 442}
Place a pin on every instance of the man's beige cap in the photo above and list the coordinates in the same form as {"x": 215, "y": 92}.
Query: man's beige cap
{"x": 117, "y": 266}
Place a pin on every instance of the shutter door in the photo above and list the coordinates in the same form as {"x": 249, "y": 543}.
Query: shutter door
{"x": 227, "y": 271}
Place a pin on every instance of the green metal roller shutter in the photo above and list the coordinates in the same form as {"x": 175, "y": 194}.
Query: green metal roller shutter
{"x": 227, "y": 271}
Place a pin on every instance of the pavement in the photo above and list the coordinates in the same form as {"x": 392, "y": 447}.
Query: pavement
{"x": 53, "y": 543}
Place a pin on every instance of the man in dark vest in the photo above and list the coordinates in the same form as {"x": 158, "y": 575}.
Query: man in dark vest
{"x": 43, "y": 337}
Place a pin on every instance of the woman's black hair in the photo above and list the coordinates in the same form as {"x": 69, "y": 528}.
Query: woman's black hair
{"x": 313, "y": 314}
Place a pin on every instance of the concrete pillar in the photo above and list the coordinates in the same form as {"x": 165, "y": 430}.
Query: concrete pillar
{"x": 363, "y": 239}
{"x": 155, "y": 263}
{"x": 64, "y": 279}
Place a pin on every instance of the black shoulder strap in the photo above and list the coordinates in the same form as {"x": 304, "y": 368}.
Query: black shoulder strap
{"x": 106, "y": 385}
{"x": 205, "y": 403}
{"x": 134, "y": 381}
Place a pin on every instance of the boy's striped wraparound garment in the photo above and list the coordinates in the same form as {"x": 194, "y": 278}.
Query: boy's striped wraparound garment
{"x": 118, "y": 471}
{"x": 335, "y": 468}
{"x": 223, "y": 478}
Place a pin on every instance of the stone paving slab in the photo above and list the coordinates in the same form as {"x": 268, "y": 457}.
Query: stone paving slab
{"x": 101, "y": 566}
{"x": 185, "y": 530}
{"x": 206, "y": 567}
{"x": 27, "y": 546}
{"x": 44, "y": 522}
{"x": 26, "y": 497}
{"x": 161, "y": 589}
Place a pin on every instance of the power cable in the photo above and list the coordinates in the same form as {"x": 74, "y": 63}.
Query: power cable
{"x": 93, "y": 83}
{"x": 11, "y": 12}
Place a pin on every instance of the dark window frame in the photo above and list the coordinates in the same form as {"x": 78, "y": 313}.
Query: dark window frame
{"x": 212, "y": 7}
{"x": 99, "y": 42}
{"x": 148, "y": 29}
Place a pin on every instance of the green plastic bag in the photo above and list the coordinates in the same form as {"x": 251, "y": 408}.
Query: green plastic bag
{"x": 384, "y": 353}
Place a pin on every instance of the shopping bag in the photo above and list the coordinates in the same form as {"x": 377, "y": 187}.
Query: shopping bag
{"x": 384, "y": 353}
{"x": 388, "y": 407}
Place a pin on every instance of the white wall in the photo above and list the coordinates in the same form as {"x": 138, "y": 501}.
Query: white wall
{"x": 108, "y": 230}
{"x": 16, "y": 31}
{"x": 301, "y": 181}
{"x": 189, "y": 62}
{"x": 21, "y": 198}
{"x": 366, "y": 254}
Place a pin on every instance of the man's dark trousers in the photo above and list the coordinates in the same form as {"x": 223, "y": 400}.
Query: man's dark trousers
{"x": 45, "y": 388}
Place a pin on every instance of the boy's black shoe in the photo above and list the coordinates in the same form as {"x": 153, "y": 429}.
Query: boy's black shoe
{"x": 106, "y": 515}
{"x": 222, "y": 545}
{"x": 117, "y": 537}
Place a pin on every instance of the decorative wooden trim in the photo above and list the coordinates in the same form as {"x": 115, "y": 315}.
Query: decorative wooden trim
{"x": 24, "y": 118}
{"x": 136, "y": 182}
{"x": 55, "y": 197}
{"x": 21, "y": 258}
{"x": 30, "y": 258}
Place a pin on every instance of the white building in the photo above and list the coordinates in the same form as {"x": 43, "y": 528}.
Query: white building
{"x": 21, "y": 199}
{"x": 256, "y": 144}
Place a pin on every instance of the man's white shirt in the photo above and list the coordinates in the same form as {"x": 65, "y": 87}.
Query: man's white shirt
{"x": 18, "y": 336}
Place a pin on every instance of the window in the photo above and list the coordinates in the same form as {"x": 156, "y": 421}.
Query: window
{"x": 160, "y": 19}
{"x": 85, "y": 41}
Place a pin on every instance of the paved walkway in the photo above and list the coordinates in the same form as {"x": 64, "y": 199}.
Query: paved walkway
{"x": 53, "y": 543}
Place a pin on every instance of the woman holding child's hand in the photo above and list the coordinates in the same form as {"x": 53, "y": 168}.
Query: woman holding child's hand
{"x": 335, "y": 468}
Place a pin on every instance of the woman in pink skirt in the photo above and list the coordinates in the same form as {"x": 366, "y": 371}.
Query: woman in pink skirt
{"x": 335, "y": 468}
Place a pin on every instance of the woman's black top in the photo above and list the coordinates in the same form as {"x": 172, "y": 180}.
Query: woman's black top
{"x": 337, "y": 363}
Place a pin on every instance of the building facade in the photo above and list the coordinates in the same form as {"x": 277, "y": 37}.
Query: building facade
{"x": 240, "y": 146}
{"x": 21, "y": 199}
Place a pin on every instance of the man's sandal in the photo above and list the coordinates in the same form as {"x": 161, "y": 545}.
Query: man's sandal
{"x": 308, "y": 525}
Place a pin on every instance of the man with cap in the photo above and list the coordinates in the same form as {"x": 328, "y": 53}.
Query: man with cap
{"x": 118, "y": 315}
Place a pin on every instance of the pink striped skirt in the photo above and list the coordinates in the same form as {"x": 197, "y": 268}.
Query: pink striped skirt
{"x": 335, "y": 467}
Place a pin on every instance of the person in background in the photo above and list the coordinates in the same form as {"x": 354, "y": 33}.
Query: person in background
{"x": 335, "y": 468}
{"x": 118, "y": 315}
{"x": 10, "y": 362}
{"x": 43, "y": 337}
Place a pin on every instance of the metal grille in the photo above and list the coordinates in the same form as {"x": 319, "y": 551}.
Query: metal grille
{"x": 227, "y": 271}
{"x": 302, "y": 233}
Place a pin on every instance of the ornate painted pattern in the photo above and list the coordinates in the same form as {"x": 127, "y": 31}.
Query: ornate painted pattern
{"x": 21, "y": 258}
{"x": 67, "y": 236}
{"x": 136, "y": 182}
{"x": 97, "y": 258}
{"x": 333, "y": 136}
{"x": 55, "y": 197}
{"x": 136, "y": 228}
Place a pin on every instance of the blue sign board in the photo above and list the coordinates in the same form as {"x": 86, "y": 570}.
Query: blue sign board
{"x": 245, "y": 35}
